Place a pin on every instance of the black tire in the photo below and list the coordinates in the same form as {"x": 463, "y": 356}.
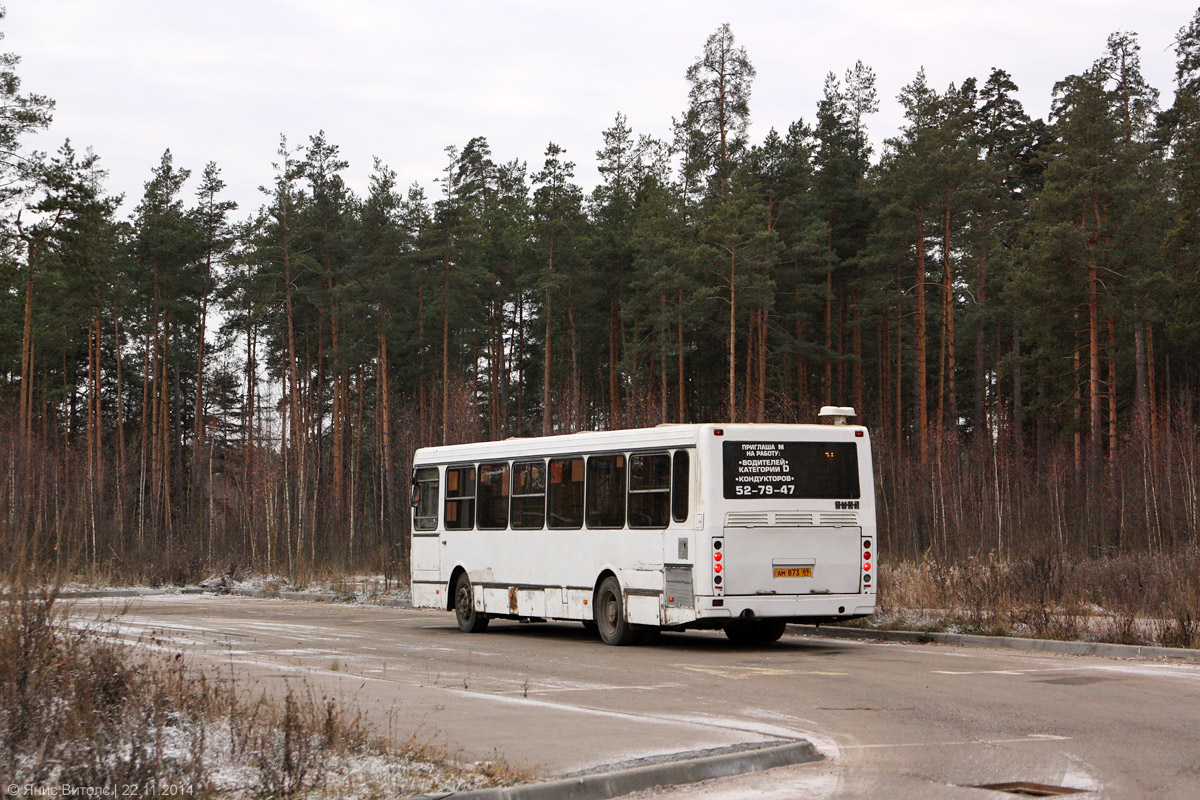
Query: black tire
{"x": 469, "y": 620}
{"x": 589, "y": 625}
{"x": 609, "y": 613}
{"x": 758, "y": 631}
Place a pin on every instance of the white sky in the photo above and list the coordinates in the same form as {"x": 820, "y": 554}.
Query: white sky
{"x": 220, "y": 80}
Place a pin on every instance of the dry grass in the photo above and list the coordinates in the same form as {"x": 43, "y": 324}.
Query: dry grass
{"x": 1128, "y": 599}
{"x": 81, "y": 709}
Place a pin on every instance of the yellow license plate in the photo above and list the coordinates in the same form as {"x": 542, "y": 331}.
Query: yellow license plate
{"x": 793, "y": 572}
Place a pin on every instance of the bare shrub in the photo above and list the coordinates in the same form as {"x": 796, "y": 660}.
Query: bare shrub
{"x": 80, "y": 707}
{"x": 1136, "y": 598}
{"x": 78, "y": 710}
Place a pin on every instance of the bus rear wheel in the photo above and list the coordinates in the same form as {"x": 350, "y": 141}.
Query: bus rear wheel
{"x": 758, "y": 631}
{"x": 609, "y": 611}
{"x": 469, "y": 620}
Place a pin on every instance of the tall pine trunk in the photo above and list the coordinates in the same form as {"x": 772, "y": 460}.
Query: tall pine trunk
{"x": 614, "y": 396}
{"x": 733, "y": 334}
{"x": 980, "y": 390}
{"x": 549, "y": 348}
{"x": 26, "y": 410}
{"x": 920, "y": 344}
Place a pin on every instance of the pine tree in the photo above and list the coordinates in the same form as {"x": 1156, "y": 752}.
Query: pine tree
{"x": 842, "y": 158}
{"x": 557, "y": 221}
{"x": 612, "y": 214}
{"x": 1179, "y": 127}
{"x": 718, "y": 114}
{"x": 1075, "y": 217}
{"x": 20, "y": 115}
{"x": 171, "y": 282}
{"x": 910, "y": 197}
{"x": 1005, "y": 140}
{"x": 212, "y": 220}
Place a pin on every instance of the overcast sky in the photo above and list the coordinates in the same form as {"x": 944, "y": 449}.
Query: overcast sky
{"x": 220, "y": 80}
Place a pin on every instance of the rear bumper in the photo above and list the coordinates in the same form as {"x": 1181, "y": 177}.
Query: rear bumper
{"x": 824, "y": 607}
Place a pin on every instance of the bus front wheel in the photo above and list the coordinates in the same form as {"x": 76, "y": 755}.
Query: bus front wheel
{"x": 609, "y": 611}
{"x": 758, "y": 631}
{"x": 469, "y": 620}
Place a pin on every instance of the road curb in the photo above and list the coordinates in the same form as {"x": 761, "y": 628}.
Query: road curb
{"x": 604, "y": 785}
{"x": 88, "y": 594}
{"x": 310, "y": 597}
{"x": 1005, "y": 642}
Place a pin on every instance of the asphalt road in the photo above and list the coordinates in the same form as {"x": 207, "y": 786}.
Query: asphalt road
{"x": 893, "y": 720}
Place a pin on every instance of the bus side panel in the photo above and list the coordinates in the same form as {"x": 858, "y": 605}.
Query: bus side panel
{"x": 427, "y": 595}
{"x": 641, "y": 609}
{"x": 579, "y": 604}
{"x": 425, "y": 557}
{"x": 546, "y": 562}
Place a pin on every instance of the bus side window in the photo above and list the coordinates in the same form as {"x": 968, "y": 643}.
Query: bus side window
{"x": 649, "y": 490}
{"x": 493, "y": 496}
{"x": 460, "y": 498}
{"x": 425, "y": 484}
{"x": 679, "y": 486}
{"x": 565, "y": 497}
{"x": 529, "y": 495}
{"x": 606, "y": 491}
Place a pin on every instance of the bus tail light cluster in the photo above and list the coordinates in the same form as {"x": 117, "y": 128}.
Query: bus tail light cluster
{"x": 718, "y": 568}
{"x": 866, "y": 546}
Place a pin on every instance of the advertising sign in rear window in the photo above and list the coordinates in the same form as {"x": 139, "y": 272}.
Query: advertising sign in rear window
{"x": 757, "y": 470}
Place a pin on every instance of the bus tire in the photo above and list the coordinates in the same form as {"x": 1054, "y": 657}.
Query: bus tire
{"x": 609, "y": 611}
{"x": 469, "y": 620}
{"x": 758, "y": 631}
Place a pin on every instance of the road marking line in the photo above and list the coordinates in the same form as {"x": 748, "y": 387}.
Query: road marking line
{"x": 979, "y": 672}
{"x": 1033, "y": 737}
{"x": 741, "y": 673}
{"x": 550, "y": 690}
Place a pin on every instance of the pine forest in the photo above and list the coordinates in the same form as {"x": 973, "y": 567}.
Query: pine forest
{"x": 1011, "y": 304}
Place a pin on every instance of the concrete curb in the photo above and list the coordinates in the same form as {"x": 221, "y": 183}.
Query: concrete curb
{"x": 604, "y": 785}
{"x": 88, "y": 594}
{"x": 1005, "y": 642}
{"x": 310, "y": 597}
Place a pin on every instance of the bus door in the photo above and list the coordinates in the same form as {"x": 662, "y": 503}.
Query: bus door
{"x": 426, "y": 539}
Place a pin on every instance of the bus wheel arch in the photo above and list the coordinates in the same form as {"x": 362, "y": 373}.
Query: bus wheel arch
{"x": 450, "y": 586}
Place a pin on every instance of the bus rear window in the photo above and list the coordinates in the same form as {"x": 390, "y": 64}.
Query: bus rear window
{"x": 807, "y": 470}
{"x": 679, "y": 486}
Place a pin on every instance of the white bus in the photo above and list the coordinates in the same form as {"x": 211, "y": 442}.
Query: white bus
{"x": 739, "y": 527}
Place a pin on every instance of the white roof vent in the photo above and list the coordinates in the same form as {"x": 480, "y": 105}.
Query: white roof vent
{"x": 836, "y": 415}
